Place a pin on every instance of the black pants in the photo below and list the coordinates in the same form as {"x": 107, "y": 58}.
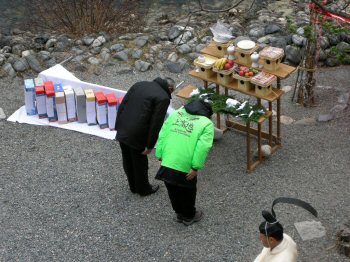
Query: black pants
{"x": 183, "y": 200}
{"x": 135, "y": 165}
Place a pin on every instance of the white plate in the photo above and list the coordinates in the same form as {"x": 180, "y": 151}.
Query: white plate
{"x": 246, "y": 44}
{"x": 222, "y": 41}
{"x": 209, "y": 62}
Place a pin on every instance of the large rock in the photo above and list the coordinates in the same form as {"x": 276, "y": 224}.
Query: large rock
{"x": 99, "y": 41}
{"x": 88, "y": 40}
{"x": 44, "y": 55}
{"x": 272, "y": 28}
{"x": 17, "y": 49}
{"x": 141, "y": 41}
{"x": 173, "y": 33}
{"x": 63, "y": 42}
{"x": 117, "y": 47}
{"x": 7, "y": 67}
{"x": 136, "y": 53}
{"x": 2, "y": 59}
{"x": 343, "y": 47}
{"x": 293, "y": 54}
{"x": 93, "y": 60}
{"x": 333, "y": 39}
{"x": 105, "y": 54}
{"x": 332, "y": 61}
{"x": 96, "y": 50}
{"x": 257, "y": 32}
{"x": 298, "y": 40}
{"x": 77, "y": 50}
{"x": 20, "y": 65}
{"x": 183, "y": 38}
{"x": 322, "y": 55}
{"x": 34, "y": 63}
{"x": 172, "y": 57}
{"x": 278, "y": 41}
{"x": 174, "y": 67}
{"x": 324, "y": 43}
{"x": 41, "y": 39}
{"x": 50, "y": 62}
{"x": 142, "y": 65}
{"x": 50, "y": 43}
{"x": 122, "y": 55}
{"x": 184, "y": 49}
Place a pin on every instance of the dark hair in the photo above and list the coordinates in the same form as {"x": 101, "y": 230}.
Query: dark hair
{"x": 208, "y": 107}
{"x": 170, "y": 81}
{"x": 271, "y": 227}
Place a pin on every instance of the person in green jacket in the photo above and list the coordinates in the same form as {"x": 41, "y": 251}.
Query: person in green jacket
{"x": 183, "y": 146}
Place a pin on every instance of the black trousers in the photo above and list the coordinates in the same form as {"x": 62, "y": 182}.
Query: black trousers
{"x": 135, "y": 165}
{"x": 183, "y": 200}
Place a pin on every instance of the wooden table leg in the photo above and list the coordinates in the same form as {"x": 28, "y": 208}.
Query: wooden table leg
{"x": 278, "y": 83}
{"x": 270, "y": 125}
{"x": 226, "y": 91}
{"x": 218, "y": 120}
{"x": 205, "y": 84}
{"x": 279, "y": 139}
{"x": 259, "y": 142}
{"x": 248, "y": 146}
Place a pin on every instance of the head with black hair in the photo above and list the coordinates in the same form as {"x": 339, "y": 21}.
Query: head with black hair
{"x": 271, "y": 231}
{"x": 166, "y": 82}
{"x": 199, "y": 107}
{"x": 271, "y": 227}
{"x": 171, "y": 83}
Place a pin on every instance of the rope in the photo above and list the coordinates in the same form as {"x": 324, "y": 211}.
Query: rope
{"x": 307, "y": 69}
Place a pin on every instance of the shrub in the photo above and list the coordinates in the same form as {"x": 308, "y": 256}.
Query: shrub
{"x": 81, "y": 17}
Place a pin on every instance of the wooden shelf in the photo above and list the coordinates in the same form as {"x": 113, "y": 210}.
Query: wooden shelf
{"x": 277, "y": 93}
{"x": 185, "y": 91}
{"x": 282, "y": 72}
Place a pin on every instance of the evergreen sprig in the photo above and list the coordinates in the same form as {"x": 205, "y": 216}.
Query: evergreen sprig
{"x": 249, "y": 113}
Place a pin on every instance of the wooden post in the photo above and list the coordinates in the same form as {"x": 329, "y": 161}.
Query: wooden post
{"x": 248, "y": 146}
{"x": 270, "y": 125}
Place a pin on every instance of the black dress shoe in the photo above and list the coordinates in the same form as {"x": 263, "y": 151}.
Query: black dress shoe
{"x": 152, "y": 190}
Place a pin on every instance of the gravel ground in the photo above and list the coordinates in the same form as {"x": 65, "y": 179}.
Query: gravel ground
{"x": 64, "y": 196}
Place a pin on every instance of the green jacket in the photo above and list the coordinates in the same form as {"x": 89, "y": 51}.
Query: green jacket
{"x": 185, "y": 139}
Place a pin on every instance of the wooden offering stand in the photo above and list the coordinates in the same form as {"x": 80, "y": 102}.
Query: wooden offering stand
{"x": 274, "y": 139}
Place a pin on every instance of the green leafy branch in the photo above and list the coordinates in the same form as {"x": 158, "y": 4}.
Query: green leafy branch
{"x": 248, "y": 113}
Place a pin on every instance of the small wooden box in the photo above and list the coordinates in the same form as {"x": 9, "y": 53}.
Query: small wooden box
{"x": 224, "y": 77}
{"x": 204, "y": 69}
{"x": 271, "y": 57}
{"x": 263, "y": 83}
{"x": 243, "y": 83}
{"x": 242, "y": 56}
{"x": 221, "y": 48}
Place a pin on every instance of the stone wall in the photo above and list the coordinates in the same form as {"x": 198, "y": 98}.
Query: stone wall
{"x": 169, "y": 41}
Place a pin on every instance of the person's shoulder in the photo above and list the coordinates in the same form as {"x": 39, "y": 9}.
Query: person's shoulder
{"x": 288, "y": 238}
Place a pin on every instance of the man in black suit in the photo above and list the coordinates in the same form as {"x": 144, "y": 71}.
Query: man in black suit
{"x": 139, "y": 120}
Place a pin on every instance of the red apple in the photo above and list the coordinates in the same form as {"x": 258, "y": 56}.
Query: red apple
{"x": 241, "y": 73}
{"x": 231, "y": 62}
{"x": 227, "y": 66}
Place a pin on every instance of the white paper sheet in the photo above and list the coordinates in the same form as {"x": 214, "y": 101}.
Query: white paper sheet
{"x": 20, "y": 116}
{"x": 58, "y": 74}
